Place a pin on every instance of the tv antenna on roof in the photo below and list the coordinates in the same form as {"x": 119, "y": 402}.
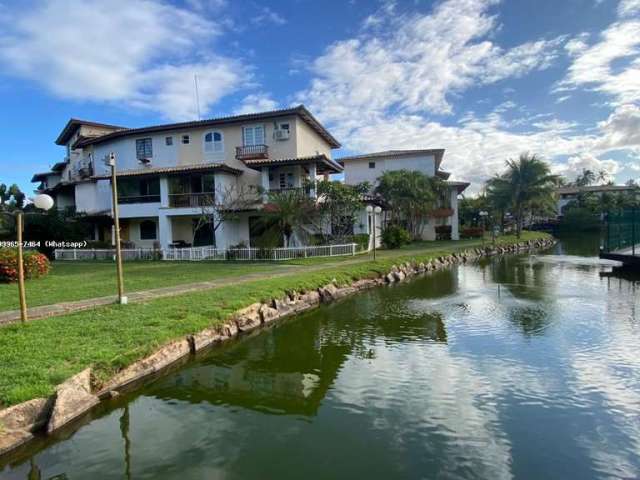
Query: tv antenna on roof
{"x": 195, "y": 80}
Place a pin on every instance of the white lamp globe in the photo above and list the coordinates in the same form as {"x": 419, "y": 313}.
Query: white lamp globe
{"x": 377, "y": 209}
{"x": 369, "y": 209}
{"x": 43, "y": 201}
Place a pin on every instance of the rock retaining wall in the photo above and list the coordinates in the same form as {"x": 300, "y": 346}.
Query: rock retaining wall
{"x": 76, "y": 397}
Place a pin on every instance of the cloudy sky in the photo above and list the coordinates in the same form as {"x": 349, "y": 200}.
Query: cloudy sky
{"x": 482, "y": 78}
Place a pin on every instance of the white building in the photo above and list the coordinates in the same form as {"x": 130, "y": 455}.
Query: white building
{"x": 369, "y": 167}
{"x": 166, "y": 171}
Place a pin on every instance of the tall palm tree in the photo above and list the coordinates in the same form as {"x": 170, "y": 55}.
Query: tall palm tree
{"x": 586, "y": 178}
{"x": 527, "y": 182}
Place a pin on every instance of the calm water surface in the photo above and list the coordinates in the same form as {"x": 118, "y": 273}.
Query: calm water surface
{"x": 521, "y": 367}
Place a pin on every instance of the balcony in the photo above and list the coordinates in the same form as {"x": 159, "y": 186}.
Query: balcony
{"x": 139, "y": 199}
{"x": 251, "y": 152}
{"x": 191, "y": 200}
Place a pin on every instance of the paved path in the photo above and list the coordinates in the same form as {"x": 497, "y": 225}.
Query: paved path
{"x": 35, "y": 313}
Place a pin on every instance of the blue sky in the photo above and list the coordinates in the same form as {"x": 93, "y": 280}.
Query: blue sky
{"x": 483, "y": 79}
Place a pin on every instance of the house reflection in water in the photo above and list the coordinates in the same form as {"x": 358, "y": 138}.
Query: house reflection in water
{"x": 289, "y": 369}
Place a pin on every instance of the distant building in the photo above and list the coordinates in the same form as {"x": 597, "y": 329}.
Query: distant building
{"x": 568, "y": 194}
{"x": 369, "y": 167}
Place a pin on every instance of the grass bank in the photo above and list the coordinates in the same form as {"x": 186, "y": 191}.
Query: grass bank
{"x": 37, "y": 356}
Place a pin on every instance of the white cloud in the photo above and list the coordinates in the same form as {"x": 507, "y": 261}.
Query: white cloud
{"x": 610, "y": 65}
{"x": 256, "y": 102}
{"x": 628, "y": 7}
{"x": 621, "y": 130}
{"x": 138, "y": 54}
{"x": 265, "y": 16}
{"x": 577, "y": 44}
{"x": 417, "y": 62}
{"x": 586, "y": 161}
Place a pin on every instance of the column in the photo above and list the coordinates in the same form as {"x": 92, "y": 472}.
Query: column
{"x": 455, "y": 235}
{"x": 314, "y": 182}
{"x": 265, "y": 182}
{"x": 164, "y": 192}
{"x": 165, "y": 230}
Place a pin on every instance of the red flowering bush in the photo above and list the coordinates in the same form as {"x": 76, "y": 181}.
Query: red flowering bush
{"x": 35, "y": 264}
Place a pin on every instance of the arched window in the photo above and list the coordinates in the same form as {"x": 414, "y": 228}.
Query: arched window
{"x": 213, "y": 142}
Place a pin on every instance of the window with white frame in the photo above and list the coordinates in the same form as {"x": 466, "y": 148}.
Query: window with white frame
{"x": 185, "y": 139}
{"x": 213, "y": 142}
{"x": 253, "y": 135}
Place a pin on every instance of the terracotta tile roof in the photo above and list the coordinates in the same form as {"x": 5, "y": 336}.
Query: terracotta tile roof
{"x": 438, "y": 153}
{"x": 72, "y": 125}
{"x": 38, "y": 177}
{"x": 326, "y": 163}
{"x": 300, "y": 111}
{"x": 460, "y": 186}
{"x": 179, "y": 169}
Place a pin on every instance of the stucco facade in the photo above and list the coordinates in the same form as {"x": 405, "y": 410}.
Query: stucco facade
{"x": 370, "y": 167}
{"x": 166, "y": 171}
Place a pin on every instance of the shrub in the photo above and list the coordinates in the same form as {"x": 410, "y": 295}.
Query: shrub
{"x": 443, "y": 232}
{"x": 35, "y": 264}
{"x": 579, "y": 219}
{"x": 471, "y": 232}
{"x": 361, "y": 239}
{"x": 394, "y": 236}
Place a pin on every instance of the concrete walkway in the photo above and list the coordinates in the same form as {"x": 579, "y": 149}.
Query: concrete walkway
{"x": 35, "y": 313}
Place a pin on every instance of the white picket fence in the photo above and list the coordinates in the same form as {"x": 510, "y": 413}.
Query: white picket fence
{"x": 196, "y": 254}
{"x": 106, "y": 254}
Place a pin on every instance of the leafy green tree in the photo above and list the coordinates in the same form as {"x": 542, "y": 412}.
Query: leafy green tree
{"x": 337, "y": 207}
{"x": 526, "y": 185}
{"x": 411, "y": 196}
{"x": 11, "y": 197}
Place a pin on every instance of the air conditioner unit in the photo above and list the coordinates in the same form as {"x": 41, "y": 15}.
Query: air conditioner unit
{"x": 281, "y": 134}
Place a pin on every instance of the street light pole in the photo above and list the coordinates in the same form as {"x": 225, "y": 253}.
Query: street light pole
{"x": 111, "y": 161}
{"x": 21, "y": 289}
{"x": 44, "y": 202}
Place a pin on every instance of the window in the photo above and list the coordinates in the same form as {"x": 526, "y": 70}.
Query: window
{"x": 147, "y": 230}
{"x": 185, "y": 139}
{"x": 213, "y": 142}
{"x": 143, "y": 148}
{"x": 284, "y": 126}
{"x": 253, "y": 135}
{"x": 168, "y": 141}
{"x": 372, "y": 164}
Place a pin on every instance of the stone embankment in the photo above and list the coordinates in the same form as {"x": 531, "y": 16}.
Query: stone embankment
{"x": 80, "y": 394}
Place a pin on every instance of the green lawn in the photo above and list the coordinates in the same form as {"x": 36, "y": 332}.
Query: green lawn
{"x": 36, "y": 356}
{"x": 69, "y": 281}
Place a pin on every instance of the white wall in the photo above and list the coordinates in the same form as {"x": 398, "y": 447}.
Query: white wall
{"x": 93, "y": 197}
{"x": 357, "y": 171}
{"x": 134, "y": 233}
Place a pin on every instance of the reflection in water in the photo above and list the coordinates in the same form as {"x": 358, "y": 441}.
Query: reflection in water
{"x": 519, "y": 367}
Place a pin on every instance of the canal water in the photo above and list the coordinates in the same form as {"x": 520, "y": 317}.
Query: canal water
{"x": 521, "y": 367}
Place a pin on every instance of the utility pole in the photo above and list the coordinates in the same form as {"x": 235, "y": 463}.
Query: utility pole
{"x": 122, "y": 299}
